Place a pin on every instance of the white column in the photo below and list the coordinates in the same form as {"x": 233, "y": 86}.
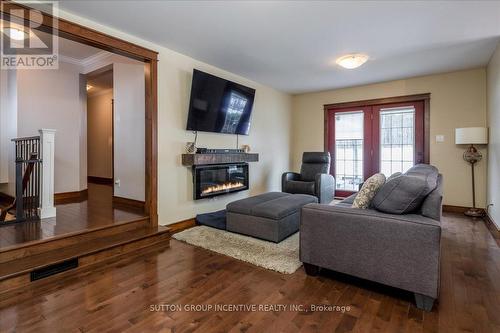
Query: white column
{"x": 47, "y": 141}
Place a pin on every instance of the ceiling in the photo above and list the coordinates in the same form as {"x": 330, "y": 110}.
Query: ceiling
{"x": 292, "y": 45}
{"x": 67, "y": 48}
{"x": 75, "y": 50}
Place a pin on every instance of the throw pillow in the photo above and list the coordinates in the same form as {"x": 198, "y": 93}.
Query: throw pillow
{"x": 368, "y": 191}
{"x": 405, "y": 194}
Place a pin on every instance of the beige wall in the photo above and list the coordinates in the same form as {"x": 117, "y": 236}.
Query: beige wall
{"x": 54, "y": 99}
{"x": 8, "y": 130}
{"x": 269, "y": 135}
{"x": 493, "y": 74}
{"x": 100, "y": 134}
{"x": 129, "y": 136}
{"x": 458, "y": 99}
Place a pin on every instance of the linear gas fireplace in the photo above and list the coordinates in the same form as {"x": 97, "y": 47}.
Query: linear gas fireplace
{"x": 212, "y": 180}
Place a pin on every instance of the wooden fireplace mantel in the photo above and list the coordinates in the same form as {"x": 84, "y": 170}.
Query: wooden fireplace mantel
{"x": 206, "y": 159}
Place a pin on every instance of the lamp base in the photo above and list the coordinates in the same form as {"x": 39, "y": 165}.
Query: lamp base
{"x": 474, "y": 212}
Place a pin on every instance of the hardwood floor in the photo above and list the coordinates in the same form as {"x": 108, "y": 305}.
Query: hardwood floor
{"x": 117, "y": 297}
{"x": 97, "y": 211}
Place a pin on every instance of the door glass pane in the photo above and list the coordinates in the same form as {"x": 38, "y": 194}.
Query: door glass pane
{"x": 349, "y": 150}
{"x": 397, "y": 139}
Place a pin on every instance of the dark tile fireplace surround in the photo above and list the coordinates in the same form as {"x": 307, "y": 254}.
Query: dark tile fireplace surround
{"x": 216, "y": 179}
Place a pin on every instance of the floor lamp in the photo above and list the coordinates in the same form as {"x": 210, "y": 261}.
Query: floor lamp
{"x": 472, "y": 136}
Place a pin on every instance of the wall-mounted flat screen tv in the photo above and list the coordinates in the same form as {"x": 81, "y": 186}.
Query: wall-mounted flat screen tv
{"x": 218, "y": 105}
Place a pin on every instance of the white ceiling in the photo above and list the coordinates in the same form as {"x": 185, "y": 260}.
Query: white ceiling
{"x": 69, "y": 49}
{"x": 75, "y": 50}
{"x": 292, "y": 45}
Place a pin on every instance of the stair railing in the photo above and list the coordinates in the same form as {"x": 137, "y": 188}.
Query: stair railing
{"x": 28, "y": 178}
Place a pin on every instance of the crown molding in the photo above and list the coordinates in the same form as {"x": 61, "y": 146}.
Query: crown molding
{"x": 69, "y": 60}
{"x": 99, "y": 56}
{"x": 89, "y": 61}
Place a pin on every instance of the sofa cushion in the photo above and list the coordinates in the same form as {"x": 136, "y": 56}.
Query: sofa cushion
{"x": 404, "y": 194}
{"x": 431, "y": 207}
{"x": 394, "y": 175}
{"x": 368, "y": 191}
{"x": 349, "y": 200}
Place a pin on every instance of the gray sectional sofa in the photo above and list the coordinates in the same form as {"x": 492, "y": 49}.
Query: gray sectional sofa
{"x": 399, "y": 249}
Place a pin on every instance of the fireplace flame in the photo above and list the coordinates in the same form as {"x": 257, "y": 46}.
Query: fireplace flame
{"x": 222, "y": 187}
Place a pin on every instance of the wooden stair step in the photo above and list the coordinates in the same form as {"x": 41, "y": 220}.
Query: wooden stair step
{"x": 30, "y": 263}
{"x": 17, "y": 252}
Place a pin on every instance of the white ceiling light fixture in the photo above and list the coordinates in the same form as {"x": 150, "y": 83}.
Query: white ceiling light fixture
{"x": 89, "y": 87}
{"x": 351, "y": 61}
{"x": 15, "y": 33}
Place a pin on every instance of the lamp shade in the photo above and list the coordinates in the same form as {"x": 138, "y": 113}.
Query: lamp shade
{"x": 471, "y": 135}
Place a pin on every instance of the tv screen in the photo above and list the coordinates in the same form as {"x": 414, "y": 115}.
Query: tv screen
{"x": 218, "y": 105}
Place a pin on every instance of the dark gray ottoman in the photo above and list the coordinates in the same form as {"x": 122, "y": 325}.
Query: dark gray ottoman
{"x": 271, "y": 216}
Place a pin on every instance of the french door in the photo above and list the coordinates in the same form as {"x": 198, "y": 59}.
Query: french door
{"x": 364, "y": 140}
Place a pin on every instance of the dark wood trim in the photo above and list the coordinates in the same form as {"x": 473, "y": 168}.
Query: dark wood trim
{"x": 427, "y": 128}
{"x": 182, "y": 225}
{"x": 326, "y": 132}
{"x": 113, "y": 141}
{"x": 378, "y": 101}
{"x": 100, "y": 180}
{"x": 151, "y": 207}
{"x": 492, "y": 227}
{"x": 70, "y": 197}
{"x": 455, "y": 209}
{"x": 425, "y": 98}
{"x": 136, "y": 204}
{"x": 87, "y": 36}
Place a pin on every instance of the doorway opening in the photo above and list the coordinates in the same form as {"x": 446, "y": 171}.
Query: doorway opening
{"x": 100, "y": 128}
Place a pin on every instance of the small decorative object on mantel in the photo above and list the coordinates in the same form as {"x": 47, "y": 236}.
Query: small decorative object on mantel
{"x": 472, "y": 136}
{"x": 246, "y": 148}
{"x": 190, "y": 147}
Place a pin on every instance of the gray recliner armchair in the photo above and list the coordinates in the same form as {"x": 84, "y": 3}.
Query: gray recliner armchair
{"x": 314, "y": 177}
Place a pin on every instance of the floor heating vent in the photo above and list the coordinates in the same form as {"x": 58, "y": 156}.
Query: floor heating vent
{"x": 54, "y": 269}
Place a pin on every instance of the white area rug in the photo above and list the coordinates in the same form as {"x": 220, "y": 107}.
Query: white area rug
{"x": 282, "y": 257}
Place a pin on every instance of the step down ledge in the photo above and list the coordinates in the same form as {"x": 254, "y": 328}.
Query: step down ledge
{"x": 160, "y": 231}
{"x": 33, "y": 248}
